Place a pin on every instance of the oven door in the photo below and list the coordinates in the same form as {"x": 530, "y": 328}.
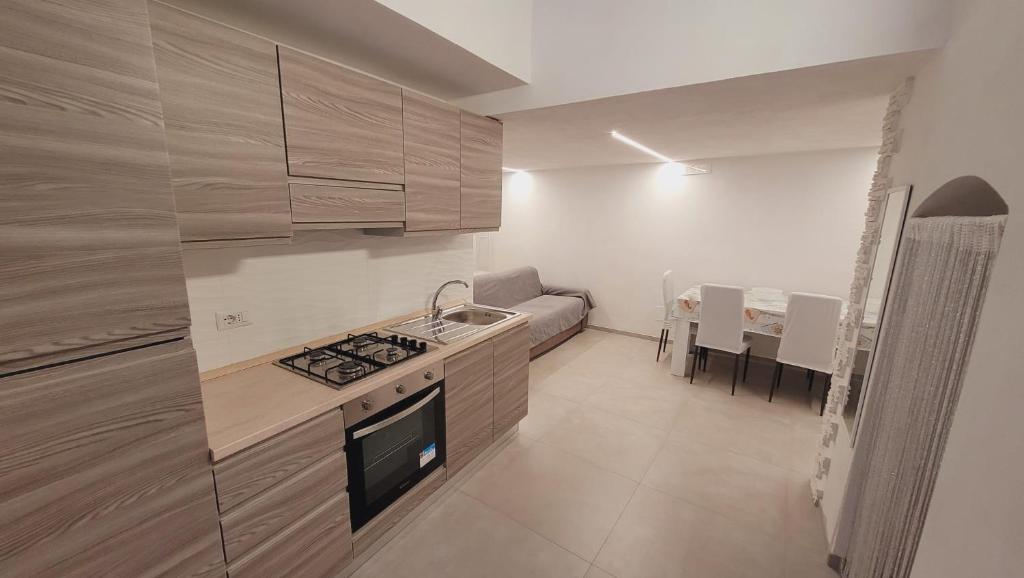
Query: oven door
{"x": 391, "y": 452}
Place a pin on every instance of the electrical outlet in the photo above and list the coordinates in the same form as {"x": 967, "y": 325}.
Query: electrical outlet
{"x": 233, "y": 320}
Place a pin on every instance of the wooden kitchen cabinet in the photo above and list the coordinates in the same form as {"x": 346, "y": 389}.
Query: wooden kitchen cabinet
{"x": 339, "y": 123}
{"x": 481, "y": 139}
{"x": 222, "y": 113}
{"x": 89, "y": 249}
{"x": 511, "y": 378}
{"x": 105, "y": 469}
{"x": 432, "y": 164}
{"x": 468, "y": 399}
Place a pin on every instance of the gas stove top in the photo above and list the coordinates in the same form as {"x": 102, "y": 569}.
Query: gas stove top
{"x": 349, "y": 360}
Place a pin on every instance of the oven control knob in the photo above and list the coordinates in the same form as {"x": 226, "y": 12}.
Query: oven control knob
{"x": 428, "y": 375}
{"x": 400, "y": 388}
{"x": 367, "y": 405}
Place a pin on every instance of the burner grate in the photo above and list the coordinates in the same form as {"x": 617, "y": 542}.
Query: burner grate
{"x": 340, "y": 363}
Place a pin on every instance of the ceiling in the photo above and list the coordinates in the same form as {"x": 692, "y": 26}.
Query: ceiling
{"x": 822, "y": 107}
{"x": 365, "y": 35}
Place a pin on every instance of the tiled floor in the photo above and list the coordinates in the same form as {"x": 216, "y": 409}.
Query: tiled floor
{"x": 622, "y": 470}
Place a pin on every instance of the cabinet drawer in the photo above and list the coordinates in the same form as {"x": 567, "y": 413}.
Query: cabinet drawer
{"x": 320, "y": 544}
{"x": 250, "y": 524}
{"x": 328, "y": 204}
{"x": 248, "y": 473}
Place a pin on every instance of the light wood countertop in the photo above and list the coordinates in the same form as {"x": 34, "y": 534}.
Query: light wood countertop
{"x": 248, "y": 402}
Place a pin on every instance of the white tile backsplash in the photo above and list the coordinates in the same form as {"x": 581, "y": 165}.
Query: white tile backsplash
{"x": 324, "y": 283}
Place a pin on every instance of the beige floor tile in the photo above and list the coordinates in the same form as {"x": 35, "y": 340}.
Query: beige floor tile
{"x": 732, "y": 424}
{"x": 744, "y": 489}
{"x": 465, "y": 538}
{"x": 596, "y": 572}
{"x": 545, "y": 412}
{"x": 805, "y": 525}
{"x": 650, "y": 406}
{"x": 572, "y": 386}
{"x": 613, "y": 443}
{"x": 661, "y": 536}
{"x": 561, "y": 497}
{"x": 807, "y": 563}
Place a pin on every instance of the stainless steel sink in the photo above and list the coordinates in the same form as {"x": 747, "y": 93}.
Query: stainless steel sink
{"x": 454, "y": 324}
{"x": 475, "y": 316}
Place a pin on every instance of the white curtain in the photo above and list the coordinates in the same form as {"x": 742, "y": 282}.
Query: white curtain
{"x": 934, "y": 306}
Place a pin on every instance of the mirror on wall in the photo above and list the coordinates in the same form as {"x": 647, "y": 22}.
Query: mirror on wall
{"x": 893, "y": 215}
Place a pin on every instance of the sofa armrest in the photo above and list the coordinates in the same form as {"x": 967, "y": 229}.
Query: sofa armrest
{"x": 584, "y": 294}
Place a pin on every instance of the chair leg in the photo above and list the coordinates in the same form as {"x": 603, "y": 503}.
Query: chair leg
{"x": 661, "y": 337}
{"x": 746, "y": 366}
{"x": 693, "y": 366}
{"x": 735, "y": 370}
{"x": 824, "y": 394}
{"x": 775, "y": 381}
{"x": 664, "y": 345}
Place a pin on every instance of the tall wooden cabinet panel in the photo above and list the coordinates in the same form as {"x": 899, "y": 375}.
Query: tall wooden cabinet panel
{"x": 105, "y": 470}
{"x": 222, "y": 111}
{"x": 432, "y": 165}
{"x": 468, "y": 400}
{"x": 88, "y": 235}
{"x": 511, "y": 377}
{"x": 339, "y": 124}
{"x": 481, "y": 172}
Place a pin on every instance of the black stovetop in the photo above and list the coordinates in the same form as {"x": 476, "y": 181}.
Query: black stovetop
{"x": 349, "y": 360}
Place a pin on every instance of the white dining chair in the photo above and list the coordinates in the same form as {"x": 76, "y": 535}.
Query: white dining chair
{"x": 668, "y": 297}
{"x": 721, "y": 327}
{"x": 808, "y": 339}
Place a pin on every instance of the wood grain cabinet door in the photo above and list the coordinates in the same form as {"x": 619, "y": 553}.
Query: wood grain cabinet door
{"x": 339, "y": 124}
{"x": 222, "y": 110}
{"x": 468, "y": 400}
{"x": 481, "y": 172}
{"x": 511, "y": 378}
{"x": 105, "y": 471}
{"x": 432, "y": 164}
{"x": 89, "y": 252}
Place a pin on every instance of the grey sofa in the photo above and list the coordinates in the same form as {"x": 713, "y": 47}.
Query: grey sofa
{"x": 558, "y": 312}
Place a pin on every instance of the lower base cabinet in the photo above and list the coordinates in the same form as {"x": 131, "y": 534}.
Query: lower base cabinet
{"x": 468, "y": 404}
{"x": 319, "y": 544}
{"x": 284, "y": 508}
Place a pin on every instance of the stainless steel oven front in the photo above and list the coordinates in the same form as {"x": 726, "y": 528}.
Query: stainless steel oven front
{"x": 396, "y": 446}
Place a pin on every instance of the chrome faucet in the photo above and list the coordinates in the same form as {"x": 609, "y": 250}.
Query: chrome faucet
{"x": 435, "y": 311}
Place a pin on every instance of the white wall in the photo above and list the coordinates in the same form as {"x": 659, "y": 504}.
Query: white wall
{"x": 324, "y": 283}
{"x": 965, "y": 119}
{"x": 499, "y": 31}
{"x": 587, "y": 49}
{"x": 790, "y": 221}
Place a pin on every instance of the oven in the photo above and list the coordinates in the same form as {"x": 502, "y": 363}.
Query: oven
{"x": 394, "y": 447}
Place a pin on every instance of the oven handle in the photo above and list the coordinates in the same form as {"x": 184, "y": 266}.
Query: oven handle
{"x": 405, "y": 413}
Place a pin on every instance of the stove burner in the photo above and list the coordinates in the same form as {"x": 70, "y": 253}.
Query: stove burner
{"x": 349, "y": 368}
{"x": 361, "y": 342}
{"x": 316, "y": 356}
{"x": 392, "y": 353}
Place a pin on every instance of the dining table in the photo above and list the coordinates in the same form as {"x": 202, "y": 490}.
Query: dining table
{"x": 764, "y": 313}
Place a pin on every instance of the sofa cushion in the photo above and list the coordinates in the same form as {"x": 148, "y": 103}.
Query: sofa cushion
{"x": 507, "y": 288}
{"x": 552, "y": 314}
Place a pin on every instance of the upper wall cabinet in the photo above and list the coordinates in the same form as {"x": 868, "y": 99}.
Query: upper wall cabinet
{"x": 222, "y": 110}
{"x": 89, "y": 252}
{"x": 481, "y": 172}
{"x": 432, "y": 196}
{"x": 340, "y": 124}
